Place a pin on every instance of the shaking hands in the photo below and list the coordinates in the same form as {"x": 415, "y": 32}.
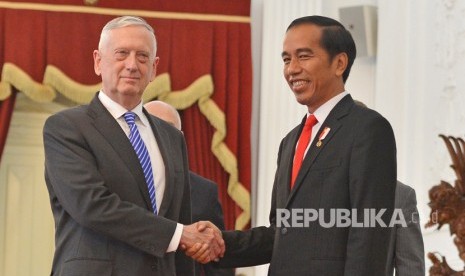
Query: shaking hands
{"x": 202, "y": 241}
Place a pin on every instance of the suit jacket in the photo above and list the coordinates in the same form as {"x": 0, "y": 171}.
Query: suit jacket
{"x": 354, "y": 167}
{"x": 103, "y": 218}
{"x": 205, "y": 206}
{"x": 406, "y": 249}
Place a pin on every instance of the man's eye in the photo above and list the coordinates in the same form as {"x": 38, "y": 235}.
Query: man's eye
{"x": 121, "y": 54}
{"x": 304, "y": 56}
{"x": 143, "y": 57}
{"x": 286, "y": 60}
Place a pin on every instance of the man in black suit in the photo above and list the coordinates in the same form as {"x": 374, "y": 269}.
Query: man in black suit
{"x": 204, "y": 192}
{"x": 339, "y": 163}
{"x": 107, "y": 222}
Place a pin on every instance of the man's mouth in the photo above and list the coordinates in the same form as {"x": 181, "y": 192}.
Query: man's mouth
{"x": 298, "y": 84}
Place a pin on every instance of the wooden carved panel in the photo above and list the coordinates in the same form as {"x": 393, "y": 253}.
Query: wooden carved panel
{"x": 447, "y": 204}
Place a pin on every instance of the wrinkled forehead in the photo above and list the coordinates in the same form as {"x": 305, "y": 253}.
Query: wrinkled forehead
{"x": 133, "y": 36}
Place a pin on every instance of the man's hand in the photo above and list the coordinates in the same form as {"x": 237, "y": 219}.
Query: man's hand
{"x": 202, "y": 241}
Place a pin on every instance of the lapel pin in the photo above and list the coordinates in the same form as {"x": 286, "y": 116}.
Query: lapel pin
{"x": 322, "y": 136}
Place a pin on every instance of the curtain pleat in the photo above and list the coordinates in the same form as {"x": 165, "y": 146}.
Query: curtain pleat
{"x": 6, "y": 111}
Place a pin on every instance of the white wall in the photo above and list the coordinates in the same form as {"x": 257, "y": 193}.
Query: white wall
{"x": 26, "y": 222}
{"x": 361, "y": 82}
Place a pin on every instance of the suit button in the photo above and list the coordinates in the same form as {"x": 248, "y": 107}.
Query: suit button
{"x": 154, "y": 267}
{"x": 283, "y": 231}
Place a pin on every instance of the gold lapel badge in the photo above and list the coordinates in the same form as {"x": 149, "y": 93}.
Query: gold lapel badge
{"x": 322, "y": 136}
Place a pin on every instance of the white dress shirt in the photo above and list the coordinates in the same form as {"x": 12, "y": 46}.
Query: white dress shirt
{"x": 146, "y": 133}
{"x": 321, "y": 113}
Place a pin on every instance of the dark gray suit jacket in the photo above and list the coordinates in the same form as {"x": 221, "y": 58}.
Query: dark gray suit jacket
{"x": 353, "y": 168}
{"x": 206, "y": 206}
{"x": 103, "y": 218}
{"x": 406, "y": 249}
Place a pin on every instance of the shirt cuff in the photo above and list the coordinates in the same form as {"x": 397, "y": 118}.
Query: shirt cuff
{"x": 176, "y": 239}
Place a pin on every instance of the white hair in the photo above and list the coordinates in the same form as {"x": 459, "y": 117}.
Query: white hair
{"x": 125, "y": 21}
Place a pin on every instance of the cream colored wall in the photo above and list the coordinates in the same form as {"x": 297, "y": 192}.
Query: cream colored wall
{"x": 26, "y": 223}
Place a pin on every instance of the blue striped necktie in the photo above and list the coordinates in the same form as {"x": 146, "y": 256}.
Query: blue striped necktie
{"x": 142, "y": 154}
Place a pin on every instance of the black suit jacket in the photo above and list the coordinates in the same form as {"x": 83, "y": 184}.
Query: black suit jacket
{"x": 205, "y": 206}
{"x": 353, "y": 168}
{"x": 103, "y": 219}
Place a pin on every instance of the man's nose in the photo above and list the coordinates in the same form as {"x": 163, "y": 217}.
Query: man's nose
{"x": 131, "y": 62}
{"x": 293, "y": 67}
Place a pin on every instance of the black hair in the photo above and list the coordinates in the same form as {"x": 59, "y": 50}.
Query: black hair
{"x": 335, "y": 38}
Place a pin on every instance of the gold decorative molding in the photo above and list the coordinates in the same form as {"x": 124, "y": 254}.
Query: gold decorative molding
{"x": 120, "y": 12}
{"x": 15, "y": 76}
{"x": 90, "y": 2}
{"x": 200, "y": 92}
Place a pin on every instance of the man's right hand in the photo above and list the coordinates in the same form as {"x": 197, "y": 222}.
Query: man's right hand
{"x": 202, "y": 241}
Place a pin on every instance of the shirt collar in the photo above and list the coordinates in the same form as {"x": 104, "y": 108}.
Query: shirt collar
{"x": 117, "y": 111}
{"x": 323, "y": 111}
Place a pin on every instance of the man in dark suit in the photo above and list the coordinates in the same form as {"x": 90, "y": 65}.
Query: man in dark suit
{"x": 347, "y": 170}
{"x": 121, "y": 210}
{"x": 204, "y": 192}
{"x": 406, "y": 249}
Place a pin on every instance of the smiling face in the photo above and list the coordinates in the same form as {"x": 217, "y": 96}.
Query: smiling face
{"x": 308, "y": 70}
{"x": 127, "y": 63}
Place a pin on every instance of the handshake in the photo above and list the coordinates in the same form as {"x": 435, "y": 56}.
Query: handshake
{"x": 202, "y": 241}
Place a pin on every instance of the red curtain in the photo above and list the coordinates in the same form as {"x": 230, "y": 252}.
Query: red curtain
{"x": 33, "y": 38}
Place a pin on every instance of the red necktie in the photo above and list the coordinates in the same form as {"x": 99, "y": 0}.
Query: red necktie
{"x": 304, "y": 139}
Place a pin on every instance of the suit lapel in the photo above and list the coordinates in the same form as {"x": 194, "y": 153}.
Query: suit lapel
{"x": 333, "y": 122}
{"x": 106, "y": 125}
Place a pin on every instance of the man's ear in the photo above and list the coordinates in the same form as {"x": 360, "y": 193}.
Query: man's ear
{"x": 340, "y": 61}
{"x": 154, "y": 69}
{"x": 97, "y": 60}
